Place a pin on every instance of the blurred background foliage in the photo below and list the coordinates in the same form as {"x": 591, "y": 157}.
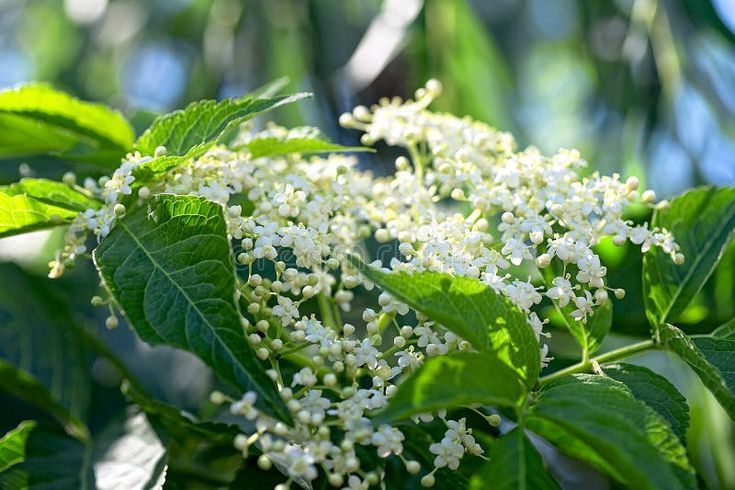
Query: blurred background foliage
{"x": 641, "y": 87}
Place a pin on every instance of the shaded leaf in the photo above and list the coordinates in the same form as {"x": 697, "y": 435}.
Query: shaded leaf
{"x": 702, "y": 221}
{"x": 127, "y": 454}
{"x": 456, "y": 380}
{"x": 169, "y": 266}
{"x": 655, "y": 391}
{"x": 49, "y": 459}
{"x": 176, "y": 421}
{"x": 38, "y": 335}
{"x": 635, "y": 440}
{"x": 725, "y": 331}
{"x": 712, "y": 358}
{"x": 571, "y": 445}
{"x": 470, "y": 309}
{"x": 24, "y": 386}
{"x": 37, "y": 119}
{"x": 204, "y": 121}
{"x": 514, "y": 464}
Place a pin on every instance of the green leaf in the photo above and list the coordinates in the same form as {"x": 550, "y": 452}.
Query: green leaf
{"x": 711, "y": 357}
{"x": 571, "y": 445}
{"x": 24, "y": 386}
{"x": 22, "y": 214}
{"x": 205, "y": 449}
{"x": 170, "y": 268}
{"x": 204, "y": 121}
{"x": 175, "y": 421}
{"x": 49, "y": 459}
{"x": 36, "y": 204}
{"x": 655, "y": 391}
{"x": 36, "y": 119}
{"x": 702, "y": 221}
{"x": 13, "y": 443}
{"x": 452, "y": 381}
{"x": 127, "y": 454}
{"x": 514, "y": 464}
{"x": 272, "y": 146}
{"x": 38, "y": 336}
{"x": 633, "y": 438}
{"x": 153, "y": 169}
{"x": 726, "y": 331}
{"x": 470, "y": 309}
{"x": 52, "y": 193}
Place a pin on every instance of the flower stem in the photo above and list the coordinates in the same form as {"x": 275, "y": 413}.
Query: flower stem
{"x": 611, "y": 356}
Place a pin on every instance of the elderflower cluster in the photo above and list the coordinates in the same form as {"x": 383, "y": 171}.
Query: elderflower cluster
{"x": 467, "y": 202}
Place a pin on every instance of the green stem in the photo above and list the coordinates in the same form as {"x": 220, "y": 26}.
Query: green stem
{"x": 611, "y": 356}
{"x": 325, "y": 308}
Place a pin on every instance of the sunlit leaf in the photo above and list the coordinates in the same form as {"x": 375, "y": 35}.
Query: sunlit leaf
{"x": 469, "y": 308}
{"x": 170, "y": 268}
{"x": 36, "y": 119}
{"x": 203, "y": 121}
{"x": 452, "y": 381}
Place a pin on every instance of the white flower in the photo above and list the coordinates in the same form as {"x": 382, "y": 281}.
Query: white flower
{"x": 409, "y": 358}
{"x": 448, "y": 453}
{"x": 366, "y": 355}
{"x": 591, "y": 271}
{"x": 584, "y": 306}
{"x": 388, "y": 440}
{"x": 562, "y": 291}
{"x": 285, "y": 310}
{"x": 246, "y": 406}
{"x": 305, "y": 377}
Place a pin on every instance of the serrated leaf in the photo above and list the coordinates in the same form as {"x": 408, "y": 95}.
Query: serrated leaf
{"x": 37, "y": 119}
{"x": 703, "y": 222}
{"x": 514, "y": 464}
{"x": 52, "y": 193}
{"x": 153, "y": 169}
{"x": 272, "y": 146}
{"x": 635, "y": 440}
{"x": 712, "y": 358}
{"x": 204, "y": 121}
{"x": 170, "y": 268}
{"x": 452, "y": 381}
{"x": 467, "y": 307}
{"x": 36, "y": 204}
{"x": 13, "y": 443}
{"x": 655, "y": 391}
{"x": 37, "y": 335}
